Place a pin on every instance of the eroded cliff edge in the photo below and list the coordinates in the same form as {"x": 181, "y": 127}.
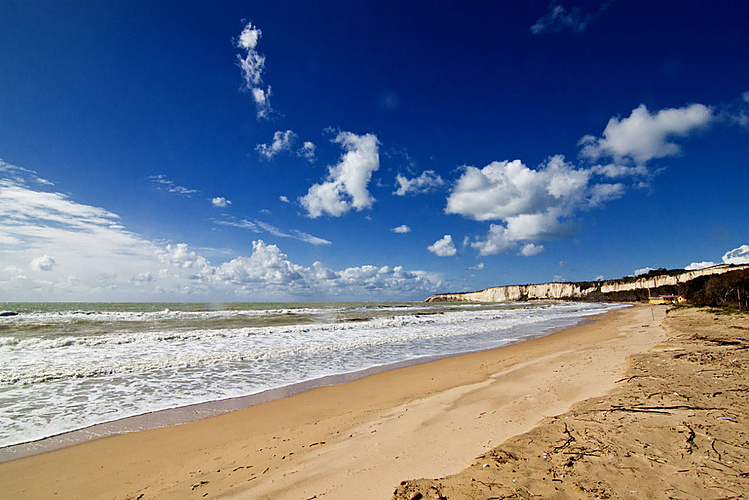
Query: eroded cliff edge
{"x": 624, "y": 289}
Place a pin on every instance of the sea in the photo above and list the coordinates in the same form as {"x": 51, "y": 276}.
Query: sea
{"x": 70, "y": 366}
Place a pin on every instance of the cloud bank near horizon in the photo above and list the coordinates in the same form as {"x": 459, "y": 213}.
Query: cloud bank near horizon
{"x": 54, "y": 248}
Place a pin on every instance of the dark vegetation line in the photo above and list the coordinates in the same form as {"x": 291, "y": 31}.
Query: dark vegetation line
{"x": 729, "y": 289}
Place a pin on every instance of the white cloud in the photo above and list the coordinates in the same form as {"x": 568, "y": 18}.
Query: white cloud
{"x": 239, "y": 223}
{"x": 282, "y": 141}
{"x": 20, "y": 175}
{"x": 260, "y": 226}
{"x": 43, "y": 263}
{"x": 694, "y": 266}
{"x": 95, "y": 258}
{"x": 532, "y": 204}
{"x": 644, "y": 270}
{"x": 737, "y": 112}
{"x": 85, "y": 241}
{"x": 508, "y": 188}
{"x": 284, "y": 199}
{"x": 443, "y": 247}
{"x": 346, "y": 184}
{"x": 477, "y": 267}
{"x": 308, "y": 151}
{"x": 142, "y": 278}
{"x": 738, "y": 255}
{"x": 644, "y": 136}
{"x": 559, "y": 18}
{"x": 403, "y": 229}
{"x": 614, "y": 171}
{"x": 496, "y": 241}
{"x": 161, "y": 182}
{"x": 252, "y": 64}
{"x": 424, "y": 183}
{"x": 523, "y": 228}
{"x": 265, "y": 265}
{"x": 220, "y": 201}
{"x": 600, "y": 193}
{"x": 294, "y": 233}
{"x": 531, "y": 250}
{"x": 270, "y": 270}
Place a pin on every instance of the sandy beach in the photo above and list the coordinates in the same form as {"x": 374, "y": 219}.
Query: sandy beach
{"x": 428, "y": 420}
{"x": 675, "y": 427}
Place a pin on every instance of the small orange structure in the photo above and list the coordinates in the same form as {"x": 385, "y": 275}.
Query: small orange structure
{"x": 667, "y": 299}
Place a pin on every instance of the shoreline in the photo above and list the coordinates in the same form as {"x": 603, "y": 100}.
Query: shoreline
{"x": 197, "y": 411}
{"x": 309, "y": 440}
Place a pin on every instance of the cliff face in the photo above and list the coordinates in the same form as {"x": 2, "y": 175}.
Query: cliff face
{"x": 663, "y": 280}
{"x": 554, "y": 291}
{"x": 514, "y": 293}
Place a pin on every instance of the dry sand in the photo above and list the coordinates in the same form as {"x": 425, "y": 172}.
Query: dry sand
{"x": 359, "y": 439}
{"x": 677, "y": 426}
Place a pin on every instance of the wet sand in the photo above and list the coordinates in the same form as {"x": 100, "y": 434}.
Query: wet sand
{"x": 360, "y": 438}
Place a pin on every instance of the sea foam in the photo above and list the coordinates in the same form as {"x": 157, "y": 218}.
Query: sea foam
{"x": 63, "y": 370}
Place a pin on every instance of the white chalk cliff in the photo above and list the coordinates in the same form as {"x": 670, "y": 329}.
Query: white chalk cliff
{"x": 555, "y": 291}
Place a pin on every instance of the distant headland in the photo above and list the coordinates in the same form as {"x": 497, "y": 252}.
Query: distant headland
{"x": 724, "y": 284}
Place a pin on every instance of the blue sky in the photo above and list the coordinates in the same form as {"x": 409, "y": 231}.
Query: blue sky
{"x": 299, "y": 150}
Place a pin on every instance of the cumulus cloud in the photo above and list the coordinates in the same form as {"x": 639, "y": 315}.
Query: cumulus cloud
{"x": 346, "y": 184}
{"x": 96, "y": 258}
{"x": 269, "y": 269}
{"x": 403, "y": 229}
{"x": 738, "y": 255}
{"x": 285, "y": 142}
{"x": 424, "y": 183}
{"x": 220, "y": 202}
{"x": 527, "y": 205}
{"x": 644, "y": 136}
{"x": 443, "y": 247}
{"x": 252, "y": 64}
{"x": 531, "y": 204}
{"x": 308, "y": 151}
{"x": 694, "y": 266}
{"x": 142, "y": 278}
{"x": 282, "y": 141}
{"x": 508, "y": 188}
{"x": 559, "y": 18}
{"x": 267, "y": 264}
{"x": 162, "y": 183}
{"x": 531, "y": 250}
{"x": 523, "y": 228}
{"x": 644, "y": 270}
{"x": 43, "y": 263}
{"x": 477, "y": 267}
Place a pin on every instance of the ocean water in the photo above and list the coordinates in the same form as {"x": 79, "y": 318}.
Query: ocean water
{"x": 65, "y": 367}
